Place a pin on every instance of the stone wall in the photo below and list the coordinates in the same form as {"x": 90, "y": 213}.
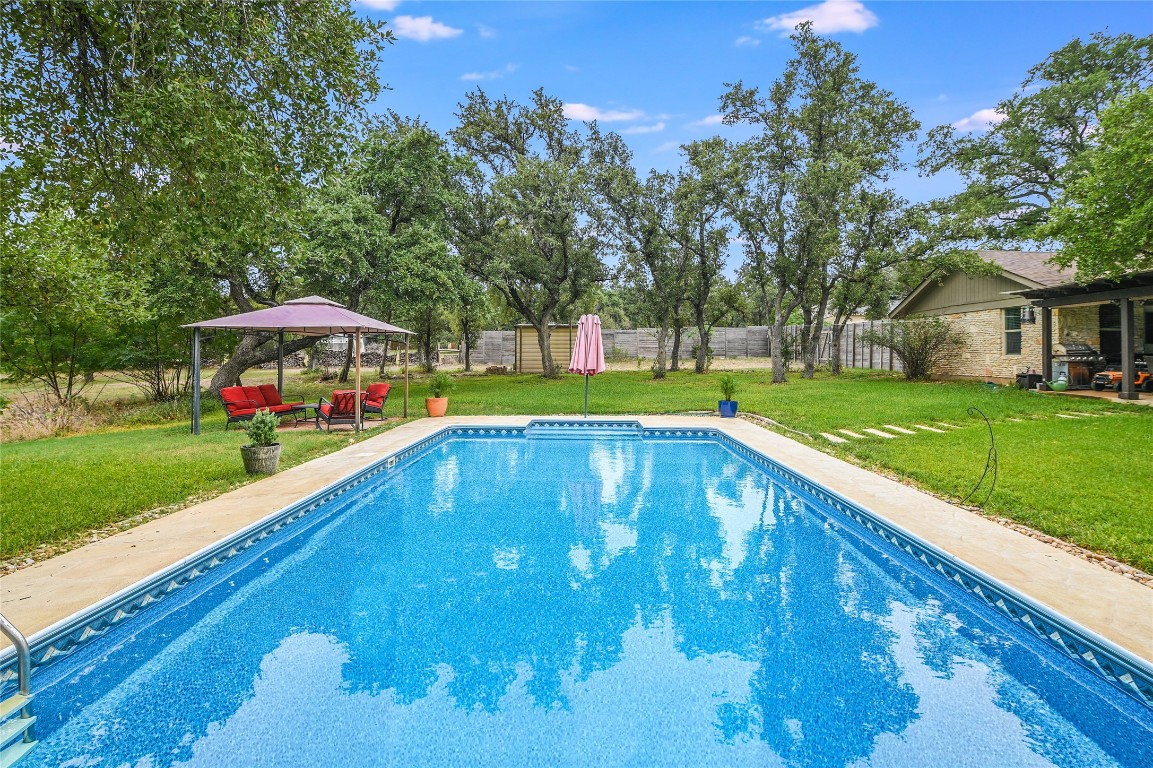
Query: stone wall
{"x": 984, "y": 353}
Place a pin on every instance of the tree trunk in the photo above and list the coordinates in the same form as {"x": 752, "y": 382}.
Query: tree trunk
{"x": 835, "y": 348}
{"x": 384, "y": 357}
{"x": 249, "y": 352}
{"x": 466, "y": 327}
{"x": 662, "y": 346}
{"x": 347, "y": 364}
{"x": 543, "y": 332}
{"x": 702, "y": 363}
{"x": 676, "y": 362}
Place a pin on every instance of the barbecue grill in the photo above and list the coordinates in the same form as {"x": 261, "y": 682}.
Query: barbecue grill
{"x": 1079, "y": 362}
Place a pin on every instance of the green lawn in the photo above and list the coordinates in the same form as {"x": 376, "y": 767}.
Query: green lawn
{"x": 1086, "y": 480}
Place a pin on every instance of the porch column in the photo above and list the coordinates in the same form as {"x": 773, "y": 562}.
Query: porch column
{"x": 196, "y": 381}
{"x": 1047, "y": 343}
{"x": 280, "y": 363}
{"x": 1128, "y": 370}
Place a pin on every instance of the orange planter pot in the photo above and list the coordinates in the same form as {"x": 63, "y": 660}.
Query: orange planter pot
{"x": 436, "y": 406}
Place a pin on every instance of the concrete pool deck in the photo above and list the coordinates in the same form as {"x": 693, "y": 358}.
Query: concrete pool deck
{"x": 1105, "y": 602}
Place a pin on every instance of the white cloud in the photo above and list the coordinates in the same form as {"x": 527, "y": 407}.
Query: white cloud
{"x": 495, "y": 74}
{"x": 380, "y": 5}
{"x": 981, "y": 120}
{"x": 485, "y": 31}
{"x": 744, "y": 40}
{"x": 578, "y": 111}
{"x": 422, "y": 28}
{"x": 667, "y": 146}
{"x": 711, "y": 120}
{"x": 654, "y": 128}
{"x": 828, "y": 16}
{"x": 571, "y": 68}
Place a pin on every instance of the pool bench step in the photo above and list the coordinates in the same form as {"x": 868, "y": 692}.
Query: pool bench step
{"x": 14, "y": 703}
{"x": 11, "y": 754}
{"x": 15, "y": 729}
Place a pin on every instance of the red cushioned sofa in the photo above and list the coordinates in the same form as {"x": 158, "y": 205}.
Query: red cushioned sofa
{"x": 240, "y": 403}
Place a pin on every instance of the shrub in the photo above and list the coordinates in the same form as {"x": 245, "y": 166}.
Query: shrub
{"x": 617, "y": 355}
{"x": 728, "y": 384}
{"x": 261, "y": 428}
{"x": 440, "y": 385}
{"x": 922, "y": 344}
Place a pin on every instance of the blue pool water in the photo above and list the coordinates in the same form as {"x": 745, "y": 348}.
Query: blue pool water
{"x": 534, "y": 601}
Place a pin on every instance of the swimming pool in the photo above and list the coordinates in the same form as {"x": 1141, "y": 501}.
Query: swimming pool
{"x": 605, "y": 595}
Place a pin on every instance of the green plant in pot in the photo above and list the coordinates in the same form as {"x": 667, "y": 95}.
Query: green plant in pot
{"x": 727, "y": 405}
{"x": 438, "y": 388}
{"x": 262, "y": 455}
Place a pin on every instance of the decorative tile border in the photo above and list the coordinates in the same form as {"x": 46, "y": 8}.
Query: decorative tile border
{"x": 1112, "y": 663}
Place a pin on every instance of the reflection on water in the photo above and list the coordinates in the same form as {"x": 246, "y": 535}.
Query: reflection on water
{"x": 530, "y": 602}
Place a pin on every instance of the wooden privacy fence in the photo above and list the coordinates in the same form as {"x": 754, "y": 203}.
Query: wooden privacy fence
{"x": 522, "y": 353}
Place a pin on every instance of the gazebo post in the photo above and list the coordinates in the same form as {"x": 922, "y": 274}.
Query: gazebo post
{"x": 406, "y": 377}
{"x": 1128, "y": 369}
{"x": 358, "y": 380}
{"x": 280, "y": 362}
{"x": 196, "y": 381}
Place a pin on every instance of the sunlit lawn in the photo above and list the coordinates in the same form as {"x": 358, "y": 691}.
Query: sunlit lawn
{"x": 1085, "y": 480}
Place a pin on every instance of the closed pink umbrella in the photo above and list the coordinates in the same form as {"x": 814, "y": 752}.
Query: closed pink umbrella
{"x": 588, "y": 356}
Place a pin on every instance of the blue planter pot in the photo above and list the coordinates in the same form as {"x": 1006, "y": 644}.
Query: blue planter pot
{"x": 728, "y": 408}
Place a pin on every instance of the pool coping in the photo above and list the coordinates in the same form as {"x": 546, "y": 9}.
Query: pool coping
{"x": 1109, "y": 623}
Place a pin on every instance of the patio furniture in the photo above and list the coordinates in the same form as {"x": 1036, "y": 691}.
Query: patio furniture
{"x": 376, "y": 397}
{"x": 240, "y": 403}
{"x": 340, "y": 410}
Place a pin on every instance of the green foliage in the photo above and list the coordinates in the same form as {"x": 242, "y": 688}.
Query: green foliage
{"x": 728, "y": 384}
{"x": 1017, "y": 169}
{"x": 261, "y": 428}
{"x": 922, "y": 344}
{"x": 524, "y": 228}
{"x": 809, "y": 193}
{"x": 440, "y": 385}
{"x": 1105, "y": 215}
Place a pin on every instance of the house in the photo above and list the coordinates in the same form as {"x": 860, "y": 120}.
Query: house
{"x": 999, "y": 315}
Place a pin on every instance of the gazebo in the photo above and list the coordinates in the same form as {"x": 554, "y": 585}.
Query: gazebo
{"x": 310, "y": 316}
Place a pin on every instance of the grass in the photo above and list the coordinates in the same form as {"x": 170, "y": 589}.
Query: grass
{"x": 1084, "y": 480}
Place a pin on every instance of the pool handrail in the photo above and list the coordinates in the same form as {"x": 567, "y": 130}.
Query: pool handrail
{"x": 23, "y": 655}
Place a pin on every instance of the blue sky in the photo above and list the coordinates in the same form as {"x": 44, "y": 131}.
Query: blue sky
{"x": 654, "y": 71}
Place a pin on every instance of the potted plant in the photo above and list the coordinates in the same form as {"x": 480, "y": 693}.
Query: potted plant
{"x": 727, "y": 405}
{"x": 263, "y": 454}
{"x": 438, "y": 386}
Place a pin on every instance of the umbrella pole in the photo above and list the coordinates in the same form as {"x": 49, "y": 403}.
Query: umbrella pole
{"x": 586, "y": 395}
{"x": 406, "y": 377}
{"x": 358, "y": 381}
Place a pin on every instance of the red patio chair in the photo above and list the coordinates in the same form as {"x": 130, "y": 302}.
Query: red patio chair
{"x": 375, "y": 397}
{"x": 341, "y": 410}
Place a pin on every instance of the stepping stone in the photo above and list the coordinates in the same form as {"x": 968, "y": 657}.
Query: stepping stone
{"x": 902, "y": 430}
{"x": 1012, "y": 419}
{"x": 851, "y": 434}
{"x": 833, "y": 438}
{"x": 1066, "y": 416}
{"x": 943, "y": 424}
{"x": 929, "y": 429}
{"x": 879, "y": 433}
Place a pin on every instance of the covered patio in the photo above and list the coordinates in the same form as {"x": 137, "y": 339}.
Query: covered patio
{"x": 310, "y": 316}
{"x": 1127, "y": 293}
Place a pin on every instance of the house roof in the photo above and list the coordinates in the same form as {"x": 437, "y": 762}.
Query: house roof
{"x": 1032, "y": 266}
{"x": 1028, "y": 268}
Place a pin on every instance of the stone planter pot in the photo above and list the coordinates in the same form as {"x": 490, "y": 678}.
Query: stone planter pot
{"x": 436, "y": 406}
{"x": 260, "y": 459}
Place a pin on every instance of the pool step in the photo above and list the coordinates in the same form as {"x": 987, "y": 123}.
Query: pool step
{"x": 579, "y": 429}
{"x": 15, "y": 729}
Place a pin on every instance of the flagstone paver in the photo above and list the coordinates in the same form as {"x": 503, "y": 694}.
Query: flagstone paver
{"x": 833, "y": 438}
{"x": 929, "y": 429}
{"x": 850, "y": 433}
{"x": 943, "y": 424}
{"x": 902, "y": 430}
{"x": 879, "y": 433}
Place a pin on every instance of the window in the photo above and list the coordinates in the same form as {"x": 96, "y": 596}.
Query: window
{"x": 1013, "y": 331}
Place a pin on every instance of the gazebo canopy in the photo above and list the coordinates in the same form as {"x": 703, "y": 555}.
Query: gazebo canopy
{"x": 310, "y": 316}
